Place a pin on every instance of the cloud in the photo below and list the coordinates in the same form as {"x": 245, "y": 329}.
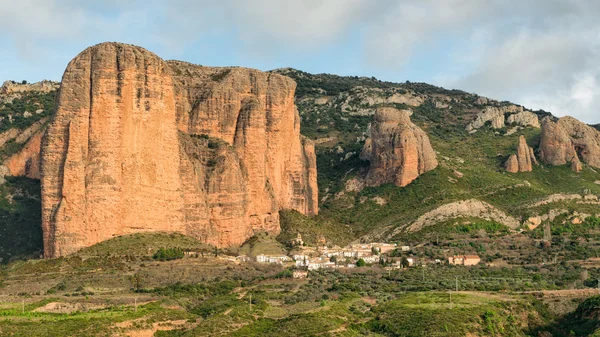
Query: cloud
{"x": 541, "y": 53}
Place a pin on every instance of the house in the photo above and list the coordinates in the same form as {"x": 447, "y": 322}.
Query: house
{"x": 371, "y": 259}
{"x": 298, "y": 274}
{"x": 411, "y": 261}
{"x": 384, "y": 248}
{"x": 272, "y": 258}
{"x": 243, "y": 258}
{"x": 456, "y": 260}
{"x": 301, "y": 263}
{"x": 299, "y": 257}
{"x": 405, "y": 248}
{"x": 464, "y": 260}
{"x": 471, "y": 260}
{"x": 314, "y": 265}
{"x": 298, "y": 240}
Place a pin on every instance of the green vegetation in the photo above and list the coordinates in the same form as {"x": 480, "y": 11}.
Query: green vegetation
{"x": 30, "y": 102}
{"x": 145, "y": 244}
{"x": 20, "y": 219}
{"x": 444, "y": 314}
{"x": 260, "y": 243}
{"x": 167, "y": 254}
{"x": 471, "y": 165}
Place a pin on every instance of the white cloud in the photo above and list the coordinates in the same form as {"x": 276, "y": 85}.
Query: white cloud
{"x": 541, "y": 53}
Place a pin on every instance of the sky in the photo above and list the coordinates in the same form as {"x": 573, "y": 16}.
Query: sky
{"x": 543, "y": 54}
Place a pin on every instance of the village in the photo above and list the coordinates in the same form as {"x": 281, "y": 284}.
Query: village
{"x": 389, "y": 255}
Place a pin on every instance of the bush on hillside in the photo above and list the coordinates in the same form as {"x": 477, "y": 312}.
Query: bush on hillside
{"x": 168, "y": 254}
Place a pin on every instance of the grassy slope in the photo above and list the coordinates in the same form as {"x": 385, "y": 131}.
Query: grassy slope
{"x": 479, "y": 157}
{"x": 329, "y": 303}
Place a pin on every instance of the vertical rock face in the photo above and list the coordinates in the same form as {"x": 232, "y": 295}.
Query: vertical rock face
{"x": 140, "y": 144}
{"x": 567, "y": 139}
{"x": 398, "y": 150}
{"x": 522, "y": 161}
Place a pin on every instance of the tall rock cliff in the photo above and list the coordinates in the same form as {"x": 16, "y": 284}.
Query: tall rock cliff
{"x": 140, "y": 144}
{"x": 398, "y": 150}
{"x": 566, "y": 140}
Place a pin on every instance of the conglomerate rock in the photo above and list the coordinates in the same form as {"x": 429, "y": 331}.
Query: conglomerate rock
{"x": 566, "y": 140}
{"x": 139, "y": 144}
{"x": 398, "y": 150}
{"x": 522, "y": 161}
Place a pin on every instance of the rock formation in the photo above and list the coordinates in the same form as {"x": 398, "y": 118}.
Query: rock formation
{"x": 25, "y": 162}
{"x": 576, "y": 164}
{"x": 11, "y": 87}
{"x": 471, "y": 208}
{"x": 497, "y": 117}
{"x": 524, "y": 118}
{"x": 398, "y": 150}
{"x": 566, "y": 140}
{"x": 140, "y": 144}
{"x": 523, "y": 160}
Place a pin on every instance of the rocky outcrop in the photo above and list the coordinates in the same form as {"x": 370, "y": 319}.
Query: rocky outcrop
{"x": 361, "y": 101}
{"x": 11, "y": 87}
{"x": 499, "y": 117}
{"x": 398, "y": 150}
{"x": 567, "y": 140}
{"x": 466, "y": 208}
{"x": 512, "y": 164}
{"x": 523, "y": 160}
{"x": 140, "y": 144}
{"x": 26, "y": 162}
{"x": 576, "y": 165}
{"x": 524, "y": 118}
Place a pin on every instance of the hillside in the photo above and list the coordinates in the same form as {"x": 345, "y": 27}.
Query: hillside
{"x": 24, "y": 113}
{"x": 337, "y": 113}
{"x": 536, "y": 233}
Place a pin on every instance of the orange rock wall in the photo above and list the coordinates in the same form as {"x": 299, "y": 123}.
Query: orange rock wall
{"x": 140, "y": 144}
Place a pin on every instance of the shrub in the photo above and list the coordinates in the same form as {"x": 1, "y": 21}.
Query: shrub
{"x": 167, "y": 254}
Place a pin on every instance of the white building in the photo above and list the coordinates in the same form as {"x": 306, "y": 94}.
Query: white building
{"x": 272, "y": 258}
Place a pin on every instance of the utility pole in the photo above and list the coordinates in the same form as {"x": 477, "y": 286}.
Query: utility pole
{"x": 250, "y": 302}
{"x": 23, "y": 306}
{"x": 423, "y": 270}
{"x": 456, "y": 283}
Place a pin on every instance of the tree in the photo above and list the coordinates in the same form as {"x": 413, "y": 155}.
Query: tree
{"x": 333, "y": 259}
{"x": 361, "y": 263}
{"x": 24, "y": 82}
{"x": 404, "y": 262}
{"x": 137, "y": 281}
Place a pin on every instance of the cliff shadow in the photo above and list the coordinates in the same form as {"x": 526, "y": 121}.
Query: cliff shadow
{"x": 20, "y": 219}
